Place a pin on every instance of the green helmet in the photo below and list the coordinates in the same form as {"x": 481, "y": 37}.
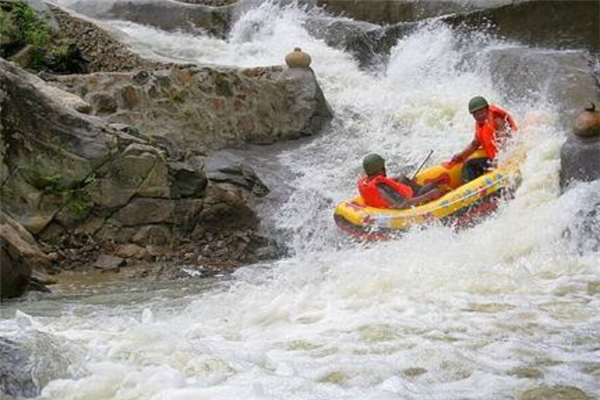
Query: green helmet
{"x": 373, "y": 163}
{"x": 477, "y": 103}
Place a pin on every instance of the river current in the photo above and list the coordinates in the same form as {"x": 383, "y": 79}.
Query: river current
{"x": 486, "y": 312}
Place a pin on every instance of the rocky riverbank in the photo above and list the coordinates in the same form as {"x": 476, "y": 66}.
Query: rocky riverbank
{"x": 112, "y": 172}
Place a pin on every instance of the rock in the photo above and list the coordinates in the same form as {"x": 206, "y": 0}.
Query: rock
{"x": 142, "y": 211}
{"x": 104, "y": 103}
{"x": 552, "y": 25}
{"x": 225, "y": 212}
{"x": 225, "y": 167}
{"x": 303, "y": 86}
{"x": 187, "y": 181}
{"x": 108, "y": 262}
{"x": 31, "y": 359}
{"x": 72, "y": 144}
{"x": 18, "y": 258}
{"x": 24, "y": 56}
{"x": 170, "y": 16}
{"x": 98, "y": 45}
{"x": 360, "y": 38}
{"x": 157, "y": 235}
{"x": 42, "y": 277}
{"x": 132, "y": 251}
{"x": 298, "y": 59}
{"x": 16, "y": 377}
{"x": 579, "y": 155}
{"x": 393, "y": 11}
{"x": 555, "y": 393}
{"x": 579, "y": 160}
{"x": 533, "y": 75}
{"x": 192, "y": 110}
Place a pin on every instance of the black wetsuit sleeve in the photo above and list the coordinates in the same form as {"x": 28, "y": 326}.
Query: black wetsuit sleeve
{"x": 391, "y": 195}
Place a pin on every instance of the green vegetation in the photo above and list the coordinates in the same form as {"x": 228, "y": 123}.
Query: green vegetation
{"x": 20, "y": 27}
{"x": 48, "y": 183}
{"x": 23, "y": 30}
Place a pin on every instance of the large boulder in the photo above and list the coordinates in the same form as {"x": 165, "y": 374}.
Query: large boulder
{"x": 357, "y": 37}
{"x": 174, "y": 16}
{"x": 564, "y": 78}
{"x": 202, "y": 109}
{"x": 393, "y": 11}
{"x": 580, "y": 154}
{"x": 16, "y": 377}
{"x": 19, "y": 256}
{"x": 31, "y": 359}
{"x": 539, "y": 23}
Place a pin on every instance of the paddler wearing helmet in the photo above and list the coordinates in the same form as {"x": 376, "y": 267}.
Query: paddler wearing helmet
{"x": 493, "y": 126}
{"x": 380, "y": 191}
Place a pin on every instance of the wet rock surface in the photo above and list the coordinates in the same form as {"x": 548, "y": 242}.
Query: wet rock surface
{"x": 174, "y": 16}
{"x": 31, "y": 359}
{"x": 539, "y": 23}
{"x": 565, "y": 78}
{"x": 393, "y": 11}
{"x": 16, "y": 370}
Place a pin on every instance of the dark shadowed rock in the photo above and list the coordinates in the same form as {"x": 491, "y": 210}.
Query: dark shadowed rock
{"x": 187, "y": 181}
{"x": 226, "y": 211}
{"x": 227, "y": 168}
{"x": 579, "y": 160}
{"x": 19, "y": 256}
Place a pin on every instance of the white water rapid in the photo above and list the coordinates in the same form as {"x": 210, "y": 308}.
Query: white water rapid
{"x": 483, "y": 313}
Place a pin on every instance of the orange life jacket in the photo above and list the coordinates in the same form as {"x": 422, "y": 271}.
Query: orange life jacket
{"x": 486, "y": 132}
{"x": 367, "y": 186}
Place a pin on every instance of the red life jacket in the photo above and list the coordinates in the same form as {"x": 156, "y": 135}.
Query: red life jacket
{"x": 367, "y": 186}
{"x": 486, "y": 132}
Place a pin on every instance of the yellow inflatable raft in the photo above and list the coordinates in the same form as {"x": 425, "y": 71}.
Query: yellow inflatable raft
{"x": 461, "y": 204}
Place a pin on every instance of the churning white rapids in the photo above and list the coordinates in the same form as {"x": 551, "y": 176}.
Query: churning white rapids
{"x": 486, "y": 312}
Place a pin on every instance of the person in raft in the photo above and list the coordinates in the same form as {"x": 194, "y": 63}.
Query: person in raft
{"x": 380, "y": 191}
{"x": 491, "y": 132}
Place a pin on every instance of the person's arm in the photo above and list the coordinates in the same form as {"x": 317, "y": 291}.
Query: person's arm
{"x": 407, "y": 181}
{"x": 470, "y": 149}
{"x": 425, "y": 198}
{"x": 399, "y": 201}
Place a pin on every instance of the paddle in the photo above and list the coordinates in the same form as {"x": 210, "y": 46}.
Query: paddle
{"x": 421, "y": 166}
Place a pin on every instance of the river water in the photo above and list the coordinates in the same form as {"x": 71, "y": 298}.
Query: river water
{"x": 508, "y": 305}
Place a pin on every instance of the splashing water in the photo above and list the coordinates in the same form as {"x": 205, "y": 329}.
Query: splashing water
{"x": 482, "y": 313}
